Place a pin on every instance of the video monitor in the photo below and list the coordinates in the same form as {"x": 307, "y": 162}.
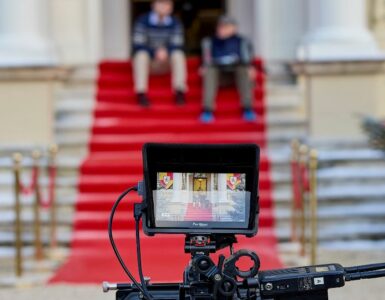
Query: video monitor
{"x": 201, "y": 188}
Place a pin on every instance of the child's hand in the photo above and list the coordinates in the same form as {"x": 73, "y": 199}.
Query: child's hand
{"x": 161, "y": 54}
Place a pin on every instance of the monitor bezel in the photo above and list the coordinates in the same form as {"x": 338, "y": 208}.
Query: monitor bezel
{"x": 192, "y": 158}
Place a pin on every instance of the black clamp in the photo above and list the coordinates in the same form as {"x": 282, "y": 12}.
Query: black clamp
{"x": 231, "y": 269}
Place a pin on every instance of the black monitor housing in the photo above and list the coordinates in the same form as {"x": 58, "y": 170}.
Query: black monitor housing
{"x": 186, "y": 177}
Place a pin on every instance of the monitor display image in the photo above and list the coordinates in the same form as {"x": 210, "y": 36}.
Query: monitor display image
{"x": 212, "y": 200}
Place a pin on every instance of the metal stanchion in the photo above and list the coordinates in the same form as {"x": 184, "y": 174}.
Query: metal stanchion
{"x": 295, "y": 193}
{"x": 313, "y": 167}
{"x": 38, "y": 245}
{"x": 17, "y": 158}
{"x": 303, "y": 152}
{"x": 53, "y": 150}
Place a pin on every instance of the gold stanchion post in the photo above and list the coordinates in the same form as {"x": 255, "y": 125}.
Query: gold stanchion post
{"x": 17, "y": 158}
{"x": 36, "y": 155}
{"x": 313, "y": 167}
{"x": 294, "y": 212}
{"x": 303, "y": 152}
{"x": 53, "y": 150}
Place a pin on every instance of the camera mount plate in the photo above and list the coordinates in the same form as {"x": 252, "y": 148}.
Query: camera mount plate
{"x": 206, "y": 244}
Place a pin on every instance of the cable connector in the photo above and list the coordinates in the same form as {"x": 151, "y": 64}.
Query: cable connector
{"x": 141, "y": 188}
{"x": 138, "y": 211}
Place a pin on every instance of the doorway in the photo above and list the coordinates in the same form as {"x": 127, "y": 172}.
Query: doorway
{"x": 198, "y": 17}
{"x": 200, "y": 184}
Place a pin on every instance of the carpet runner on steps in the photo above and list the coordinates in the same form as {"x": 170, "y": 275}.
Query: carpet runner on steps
{"x": 120, "y": 129}
{"x": 198, "y": 213}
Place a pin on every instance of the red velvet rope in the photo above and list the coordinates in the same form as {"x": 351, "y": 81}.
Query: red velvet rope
{"x": 51, "y": 188}
{"x": 296, "y": 189}
{"x": 28, "y": 190}
{"x": 305, "y": 178}
{"x": 300, "y": 182}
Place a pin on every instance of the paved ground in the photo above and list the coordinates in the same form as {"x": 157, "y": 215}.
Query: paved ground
{"x": 371, "y": 290}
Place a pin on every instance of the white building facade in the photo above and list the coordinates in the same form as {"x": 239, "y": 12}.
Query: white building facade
{"x": 327, "y": 45}
{"x": 81, "y": 32}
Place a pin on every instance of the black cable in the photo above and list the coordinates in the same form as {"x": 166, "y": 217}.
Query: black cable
{"x": 365, "y": 268}
{"x": 364, "y": 275}
{"x": 118, "y": 256}
{"x": 139, "y": 253}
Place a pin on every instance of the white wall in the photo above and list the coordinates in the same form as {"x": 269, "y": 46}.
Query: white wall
{"x": 76, "y": 29}
{"x": 279, "y": 27}
{"x": 116, "y": 29}
{"x": 275, "y": 27}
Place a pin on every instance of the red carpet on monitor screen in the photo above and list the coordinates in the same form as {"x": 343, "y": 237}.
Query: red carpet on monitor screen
{"x": 197, "y": 213}
{"x": 120, "y": 128}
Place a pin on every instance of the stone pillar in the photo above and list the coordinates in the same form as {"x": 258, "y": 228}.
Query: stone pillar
{"x": 24, "y": 34}
{"x": 338, "y": 31}
{"x": 177, "y": 188}
{"x": 278, "y": 26}
{"x": 222, "y": 187}
{"x": 338, "y": 94}
{"x": 27, "y": 104}
{"x": 116, "y": 29}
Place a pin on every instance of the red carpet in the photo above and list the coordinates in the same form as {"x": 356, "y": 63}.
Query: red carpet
{"x": 197, "y": 213}
{"x": 114, "y": 163}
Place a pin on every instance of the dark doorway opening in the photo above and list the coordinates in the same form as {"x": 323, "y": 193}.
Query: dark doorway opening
{"x": 198, "y": 17}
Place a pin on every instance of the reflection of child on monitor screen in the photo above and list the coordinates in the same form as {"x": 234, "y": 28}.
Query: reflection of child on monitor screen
{"x": 200, "y": 197}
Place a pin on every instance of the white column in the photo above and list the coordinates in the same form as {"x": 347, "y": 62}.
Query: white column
{"x": 177, "y": 187}
{"x": 24, "y": 33}
{"x": 116, "y": 29}
{"x": 278, "y": 27}
{"x": 338, "y": 31}
{"x": 222, "y": 187}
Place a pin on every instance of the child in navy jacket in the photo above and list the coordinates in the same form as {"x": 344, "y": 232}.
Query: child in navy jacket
{"x": 227, "y": 53}
{"x": 158, "y": 41}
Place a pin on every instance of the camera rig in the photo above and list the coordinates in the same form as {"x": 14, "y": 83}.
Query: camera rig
{"x": 203, "y": 279}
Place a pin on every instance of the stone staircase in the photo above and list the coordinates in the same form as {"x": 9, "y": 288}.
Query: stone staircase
{"x": 351, "y": 177}
{"x": 351, "y": 193}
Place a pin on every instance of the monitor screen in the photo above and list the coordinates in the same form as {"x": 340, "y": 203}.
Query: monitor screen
{"x": 199, "y": 200}
{"x": 200, "y": 189}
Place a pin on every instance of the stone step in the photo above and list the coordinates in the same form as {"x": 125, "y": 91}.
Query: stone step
{"x": 341, "y": 175}
{"x": 351, "y": 156}
{"x": 80, "y": 127}
{"x": 79, "y": 92}
{"x": 273, "y": 91}
{"x": 355, "y": 158}
{"x": 84, "y": 106}
{"x": 352, "y": 192}
{"x": 347, "y": 143}
{"x": 8, "y": 252}
{"x": 7, "y": 181}
{"x": 62, "y": 162}
{"x": 7, "y": 218}
{"x": 341, "y": 191}
{"x": 66, "y": 199}
{"x": 64, "y": 234}
{"x": 75, "y": 145}
{"x": 353, "y": 231}
{"x": 355, "y": 245}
